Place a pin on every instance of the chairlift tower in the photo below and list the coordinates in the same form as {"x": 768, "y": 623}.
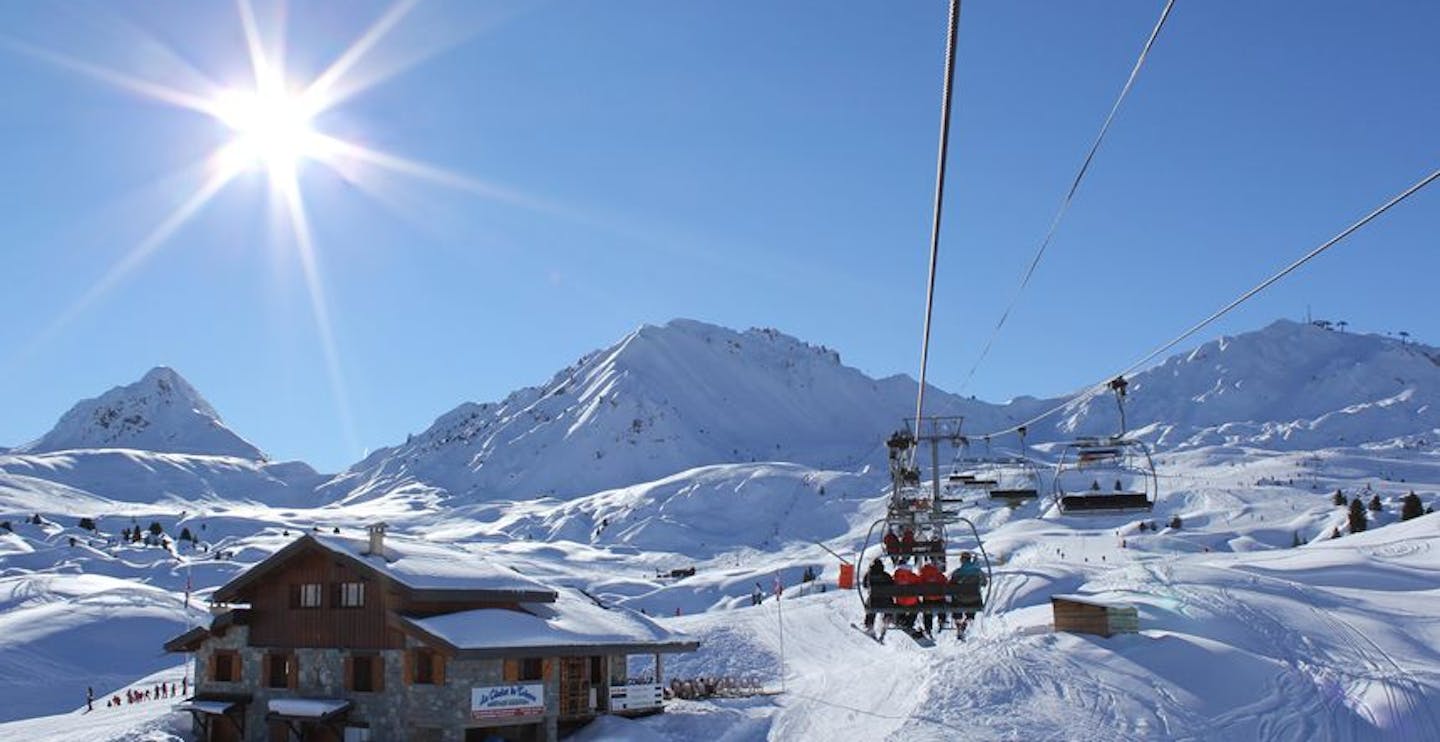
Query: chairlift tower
{"x": 932, "y": 431}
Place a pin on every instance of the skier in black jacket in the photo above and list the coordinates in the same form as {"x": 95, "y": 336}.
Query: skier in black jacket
{"x": 876, "y": 576}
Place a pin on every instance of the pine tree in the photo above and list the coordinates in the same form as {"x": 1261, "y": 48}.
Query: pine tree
{"x": 1175, "y": 522}
{"x": 1357, "y": 516}
{"x": 1375, "y": 505}
{"x": 1297, "y": 541}
{"x": 1410, "y": 506}
{"x": 6, "y": 525}
{"x": 155, "y": 528}
{"x": 186, "y": 535}
{"x": 87, "y": 524}
{"x": 1339, "y": 499}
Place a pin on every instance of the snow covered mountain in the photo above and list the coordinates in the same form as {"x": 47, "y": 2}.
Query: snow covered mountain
{"x": 161, "y": 412}
{"x": 662, "y": 400}
{"x": 687, "y": 394}
{"x": 1289, "y": 386}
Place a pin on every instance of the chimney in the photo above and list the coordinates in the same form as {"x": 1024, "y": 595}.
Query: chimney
{"x": 377, "y": 539}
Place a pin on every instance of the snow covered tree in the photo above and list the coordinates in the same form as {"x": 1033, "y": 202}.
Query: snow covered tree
{"x": 186, "y": 535}
{"x": 1375, "y": 505}
{"x": 155, "y": 528}
{"x": 37, "y": 520}
{"x": 1357, "y": 516}
{"x": 1410, "y": 506}
{"x": 87, "y": 524}
{"x": 1175, "y": 522}
{"x": 1339, "y": 499}
{"x": 6, "y": 525}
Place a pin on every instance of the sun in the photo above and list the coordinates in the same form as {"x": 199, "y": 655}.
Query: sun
{"x": 272, "y": 128}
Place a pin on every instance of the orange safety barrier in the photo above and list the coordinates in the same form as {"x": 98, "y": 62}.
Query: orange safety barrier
{"x": 847, "y": 576}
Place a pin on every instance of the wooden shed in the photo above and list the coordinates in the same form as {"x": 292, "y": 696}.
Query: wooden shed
{"x": 1084, "y": 614}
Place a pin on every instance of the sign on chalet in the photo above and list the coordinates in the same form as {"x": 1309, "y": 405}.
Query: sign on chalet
{"x": 341, "y": 639}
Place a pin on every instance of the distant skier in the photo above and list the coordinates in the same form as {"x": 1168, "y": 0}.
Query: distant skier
{"x": 876, "y": 576}
{"x": 757, "y": 596}
{"x": 968, "y": 600}
{"x": 89, "y": 699}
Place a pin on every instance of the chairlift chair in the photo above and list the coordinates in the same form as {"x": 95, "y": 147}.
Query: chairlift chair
{"x": 1088, "y": 467}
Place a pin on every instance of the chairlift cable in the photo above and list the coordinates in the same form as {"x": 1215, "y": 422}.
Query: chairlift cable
{"x": 1091, "y": 390}
{"x": 941, "y": 159}
{"x": 1069, "y": 196}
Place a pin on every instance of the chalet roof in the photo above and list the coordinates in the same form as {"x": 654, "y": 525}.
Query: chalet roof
{"x": 427, "y": 571}
{"x": 192, "y": 639}
{"x": 572, "y": 624}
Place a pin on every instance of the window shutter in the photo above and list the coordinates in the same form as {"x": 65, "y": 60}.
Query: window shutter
{"x": 266, "y": 661}
{"x": 545, "y": 668}
{"x": 294, "y": 671}
{"x": 409, "y": 668}
{"x": 349, "y": 672}
{"x": 377, "y": 673}
{"x": 512, "y": 670}
{"x": 438, "y": 665}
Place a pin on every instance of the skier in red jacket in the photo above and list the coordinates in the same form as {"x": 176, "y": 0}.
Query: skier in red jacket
{"x": 905, "y": 577}
{"x": 933, "y": 578}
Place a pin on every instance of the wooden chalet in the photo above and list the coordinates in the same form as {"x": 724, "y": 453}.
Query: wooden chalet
{"x": 341, "y": 639}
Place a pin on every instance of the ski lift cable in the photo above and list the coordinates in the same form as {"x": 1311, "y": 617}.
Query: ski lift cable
{"x": 1069, "y": 195}
{"x": 1088, "y": 392}
{"x": 941, "y": 159}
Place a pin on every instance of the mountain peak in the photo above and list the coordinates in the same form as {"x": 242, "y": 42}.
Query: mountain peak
{"x": 161, "y": 412}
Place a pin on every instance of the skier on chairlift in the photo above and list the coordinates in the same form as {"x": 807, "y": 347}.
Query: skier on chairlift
{"x": 969, "y": 601}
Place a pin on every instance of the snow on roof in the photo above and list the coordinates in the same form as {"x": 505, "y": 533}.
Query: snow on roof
{"x": 206, "y": 707}
{"x": 573, "y": 620}
{"x": 307, "y": 708}
{"x": 425, "y": 566}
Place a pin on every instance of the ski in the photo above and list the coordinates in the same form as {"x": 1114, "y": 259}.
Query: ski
{"x": 878, "y": 639}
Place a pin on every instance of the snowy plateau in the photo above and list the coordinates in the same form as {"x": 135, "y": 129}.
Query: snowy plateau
{"x": 689, "y": 445}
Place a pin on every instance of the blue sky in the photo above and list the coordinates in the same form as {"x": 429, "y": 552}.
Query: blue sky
{"x": 748, "y": 164}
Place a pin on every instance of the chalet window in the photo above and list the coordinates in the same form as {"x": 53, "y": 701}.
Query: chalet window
{"x": 424, "y": 667}
{"x": 366, "y": 673}
{"x": 225, "y": 666}
{"x": 352, "y": 594}
{"x": 427, "y": 667}
{"x": 280, "y": 670}
{"x": 530, "y": 668}
{"x": 305, "y": 596}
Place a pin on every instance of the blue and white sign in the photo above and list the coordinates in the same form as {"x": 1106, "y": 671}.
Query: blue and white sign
{"x": 505, "y": 701}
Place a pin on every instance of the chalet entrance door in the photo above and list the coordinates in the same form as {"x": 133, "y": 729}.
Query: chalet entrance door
{"x": 575, "y": 687}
